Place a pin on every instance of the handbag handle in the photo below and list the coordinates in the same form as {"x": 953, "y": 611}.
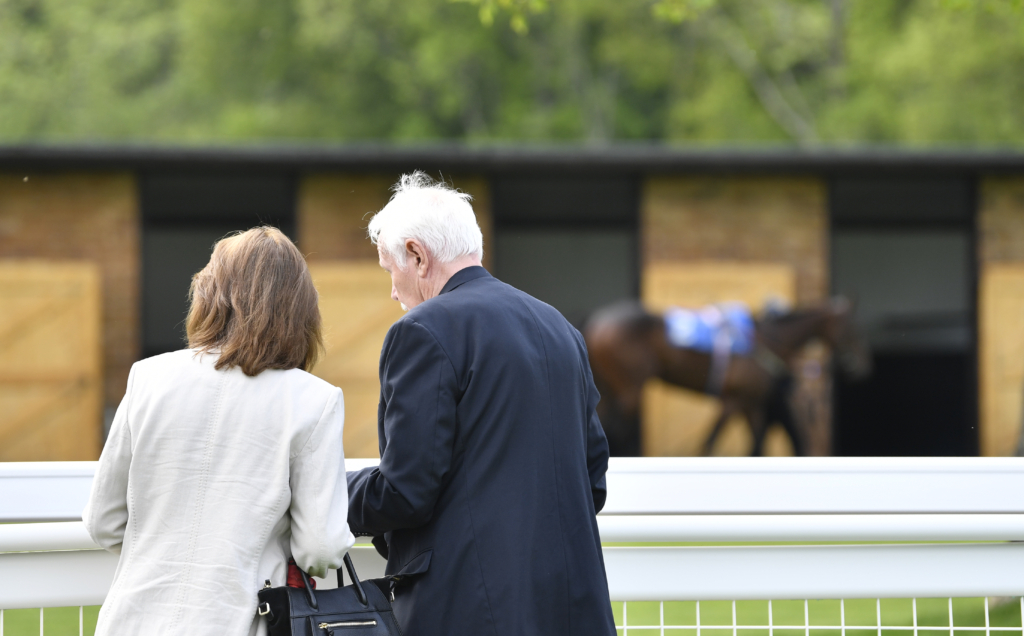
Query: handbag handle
{"x": 355, "y": 580}
{"x": 309, "y": 590}
{"x": 341, "y": 583}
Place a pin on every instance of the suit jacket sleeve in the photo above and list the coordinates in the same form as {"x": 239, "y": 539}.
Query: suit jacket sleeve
{"x": 597, "y": 443}
{"x": 418, "y": 399}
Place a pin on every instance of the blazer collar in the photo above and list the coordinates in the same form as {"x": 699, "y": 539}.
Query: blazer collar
{"x": 464, "y": 275}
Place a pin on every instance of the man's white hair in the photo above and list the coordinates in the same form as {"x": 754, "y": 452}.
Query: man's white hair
{"x": 436, "y": 215}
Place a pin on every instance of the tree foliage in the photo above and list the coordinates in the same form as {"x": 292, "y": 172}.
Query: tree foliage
{"x": 701, "y": 71}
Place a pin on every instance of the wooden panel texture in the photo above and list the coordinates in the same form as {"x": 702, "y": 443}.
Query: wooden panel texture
{"x": 676, "y": 422}
{"x": 1001, "y": 355}
{"x": 355, "y": 301}
{"x": 335, "y": 210}
{"x": 1001, "y": 314}
{"x": 83, "y": 217}
{"x": 742, "y": 220}
{"x": 51, "y": 389}
{"x": 1001, "y": 220}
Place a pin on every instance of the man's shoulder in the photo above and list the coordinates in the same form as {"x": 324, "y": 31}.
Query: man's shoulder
{"x": 415, "y": 322}
{"x": 475, "y": 292}
{"x": 481, "y": 300}
{"x": 447, "y": 314}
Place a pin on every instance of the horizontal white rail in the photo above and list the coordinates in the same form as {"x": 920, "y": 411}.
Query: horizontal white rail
{"x": 57, "y": 491}
{"x": 804, "y": 528}
{"x": 814, "y": 485}
{"x": 71, "y": 535}
{"x": 55, "y": 579}
{"x": 37, "y": 537}
{"x": 44, "y": 491}
{"x": 801, "y": 572}
{"x": 82, "y": 577}
{"x": 673, "y": 500}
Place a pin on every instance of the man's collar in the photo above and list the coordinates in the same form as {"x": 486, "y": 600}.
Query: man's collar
{"x": 464, "y": 275}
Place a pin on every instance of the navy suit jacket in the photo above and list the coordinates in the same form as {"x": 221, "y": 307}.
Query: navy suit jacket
{"x": 492, "y": 468}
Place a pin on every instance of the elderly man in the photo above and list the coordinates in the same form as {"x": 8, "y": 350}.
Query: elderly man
{"x": 492, "y": 457}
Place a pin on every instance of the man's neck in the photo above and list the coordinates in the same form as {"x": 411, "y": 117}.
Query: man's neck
{"x": 447, "y": 270}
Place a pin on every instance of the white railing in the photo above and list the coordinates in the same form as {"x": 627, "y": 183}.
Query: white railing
{"x": 906, "y": 528}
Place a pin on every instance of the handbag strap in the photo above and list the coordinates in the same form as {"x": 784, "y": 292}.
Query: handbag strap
{"x": 341, "y": 583}
{"x": 355, "y": 580}
{"x": 309, "y": 590}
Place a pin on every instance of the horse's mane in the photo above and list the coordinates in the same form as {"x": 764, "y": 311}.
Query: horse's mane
{"x": 789, "y": 316}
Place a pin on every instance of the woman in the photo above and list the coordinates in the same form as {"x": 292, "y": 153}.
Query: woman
{"x": 225, "y": 458}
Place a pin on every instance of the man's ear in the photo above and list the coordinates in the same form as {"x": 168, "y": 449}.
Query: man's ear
{"x": 420, "y": 259}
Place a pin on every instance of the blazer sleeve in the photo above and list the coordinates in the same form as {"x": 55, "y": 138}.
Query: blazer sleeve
{"x": 320, "y": 535}
{"x": 106, "y": 513}
{"x": 597, "y": 442}
{"x": 419, "y": 396}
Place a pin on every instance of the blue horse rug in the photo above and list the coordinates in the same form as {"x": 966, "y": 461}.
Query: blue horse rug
{"x": 723, "y": 331}
{"x": 726, "y": 327}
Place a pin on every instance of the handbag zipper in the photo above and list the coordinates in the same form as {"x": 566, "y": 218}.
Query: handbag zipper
{"x": 366, "y": 623}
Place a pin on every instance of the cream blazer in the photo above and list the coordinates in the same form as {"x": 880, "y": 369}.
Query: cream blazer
{"x": 208, "y": 482}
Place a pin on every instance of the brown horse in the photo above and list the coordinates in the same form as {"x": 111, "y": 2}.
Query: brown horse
{"x": 628, "y": 346}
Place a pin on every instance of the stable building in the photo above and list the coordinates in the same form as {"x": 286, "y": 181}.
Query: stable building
{"x": 98, "y": 246}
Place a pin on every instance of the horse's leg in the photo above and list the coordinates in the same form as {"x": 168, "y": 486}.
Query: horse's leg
{"x": 728, "y": 409}
{"x": 755, "y": 414}
{"x": 779, "y": 409}
{"x": 788, "y": 422}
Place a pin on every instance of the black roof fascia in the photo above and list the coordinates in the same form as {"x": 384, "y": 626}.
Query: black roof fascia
{"x": 537, "y": 160}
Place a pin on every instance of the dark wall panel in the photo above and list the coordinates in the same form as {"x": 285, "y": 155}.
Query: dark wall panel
{"x": 577, "y": 201}
{"x": 880, "y": 201}
{"x": 236, "y": 200}
{"x": 904, "y": 249}
{"x": 182, "y": 217}
{"x": 574, "y": 271}
{"x": 569, "y": 241}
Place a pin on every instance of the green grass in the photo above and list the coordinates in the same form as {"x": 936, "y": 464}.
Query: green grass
{"x": 57, "y": 621}
{"x": 968, "y": 617}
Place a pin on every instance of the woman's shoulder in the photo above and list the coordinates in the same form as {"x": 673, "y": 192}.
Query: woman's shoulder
{"x": 166, "y": 362}
{"x": 305, "y": 379}
{"x": 189, "y": 366}
{"x": 304, "y": 386}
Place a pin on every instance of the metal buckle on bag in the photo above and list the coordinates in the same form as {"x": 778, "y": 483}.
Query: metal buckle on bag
{"x": 263, "y": 609}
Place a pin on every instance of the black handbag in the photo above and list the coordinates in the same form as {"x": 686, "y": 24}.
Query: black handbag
{"x": 360, "y": 609}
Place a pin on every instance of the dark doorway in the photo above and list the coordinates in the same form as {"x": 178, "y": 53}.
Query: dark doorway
{"x": 569, "y": 241}
{"x": 903, "y": 249}
{"x": 182, "y": 217}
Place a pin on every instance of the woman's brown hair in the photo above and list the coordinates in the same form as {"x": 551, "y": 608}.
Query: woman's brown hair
{"x": 255, "y": 303}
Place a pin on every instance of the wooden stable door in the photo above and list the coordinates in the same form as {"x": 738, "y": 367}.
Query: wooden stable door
{"x": 50, "y": 361}
{"x": 1001, "y": 331}
{"x": 675, "y": 421}
{"x": 355, "y": 301}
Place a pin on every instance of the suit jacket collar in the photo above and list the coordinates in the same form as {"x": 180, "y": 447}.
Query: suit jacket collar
{"x": 464, "y": 275}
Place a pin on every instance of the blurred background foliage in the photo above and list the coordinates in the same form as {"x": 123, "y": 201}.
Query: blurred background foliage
{"x": 697, "y": 71}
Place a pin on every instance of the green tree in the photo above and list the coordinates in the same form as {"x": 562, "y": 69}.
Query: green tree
{"x": 801, "y": 72}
